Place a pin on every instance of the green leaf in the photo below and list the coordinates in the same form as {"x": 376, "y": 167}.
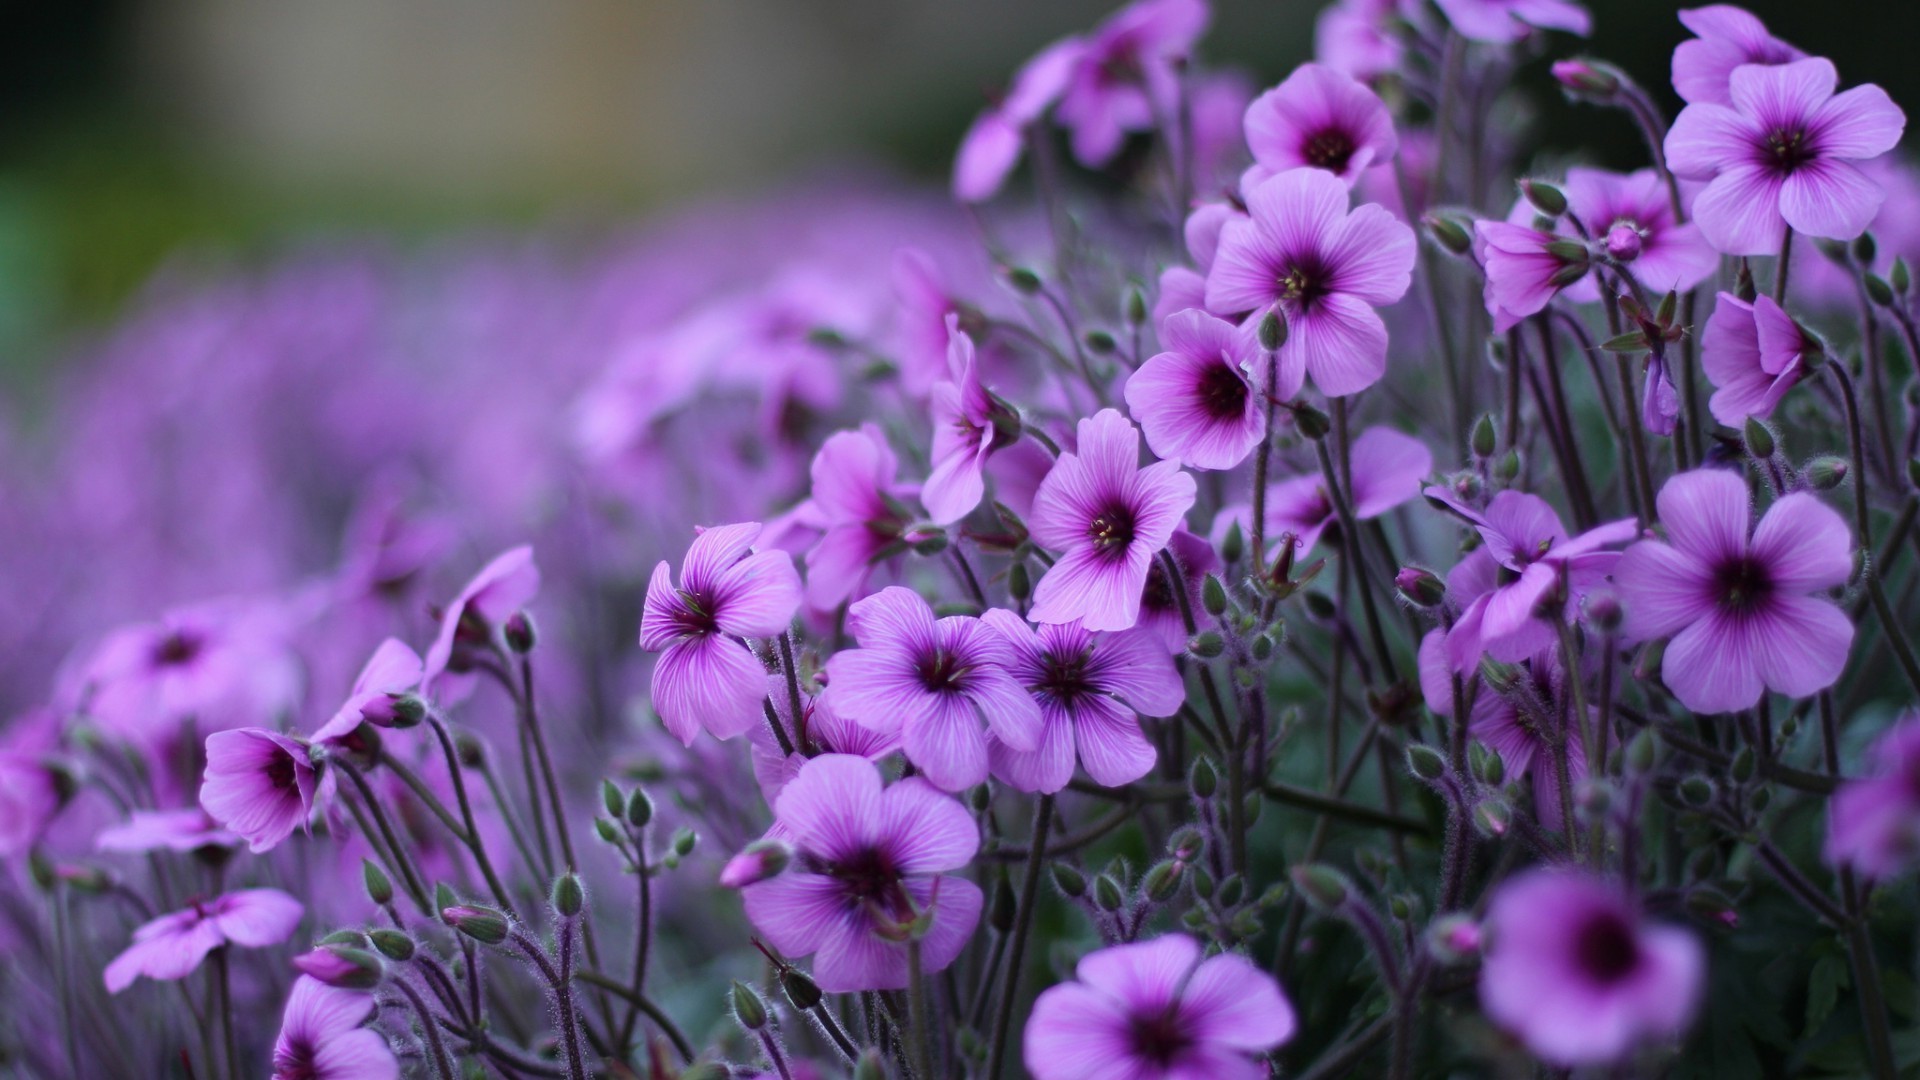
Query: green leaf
{"x": 1830, "y": 975}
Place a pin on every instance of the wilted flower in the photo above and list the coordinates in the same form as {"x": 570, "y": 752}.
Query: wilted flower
{"x": 171, "y": 946}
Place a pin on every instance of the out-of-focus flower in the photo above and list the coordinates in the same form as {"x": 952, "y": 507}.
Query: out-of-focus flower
{"x": 1324, "y": 268}
{"x": 172, "y": 946}
{"x": 1873, "y": 823}
{"x": 1089, "y": 686}
{"x": 29, "y": 797}
{"x": 260, "y": 784}
{"x": 1782, "y": 155}
{"x": 1159, "y": 604}
{"x": 1388, "y": 468}
{"x": 933, "y": 681}
{"x": 1728, "y": 37}
{"x": 869, "y": 862}
{"x": 1124, "y": 80}
{"x": 1505, "y": 724}
{"x": 1502, "y": 22}
{"x": 992, "y": 146}
{"x": 393, "y": 669}
{"x": 1355, "y": 37}
{"x": 502, "y": 587}
{"x": 1196, "y": 401}
{"x": 1318, "y": 118}
{"x": 857, "y": 501}
{"x": 1107, "y": 517}
{"x": 706, "y": 677}
{"x": 963, "y": 432}
{"x": 1743, "y": 609}
{"x": 1753, "y": 353}
{"x": 323, "y": 1036}
{"x": 172, "y": 830}
{"x": 1158, "y": 1008}
{"x": 1573, "y": 972}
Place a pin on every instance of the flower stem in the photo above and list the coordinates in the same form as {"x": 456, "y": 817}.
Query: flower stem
{"x": 429, "y": 1026}
{"x": 921, "y": 1037}
{"x": 1896, "y": 637}
{"x": 1022, "y": 926}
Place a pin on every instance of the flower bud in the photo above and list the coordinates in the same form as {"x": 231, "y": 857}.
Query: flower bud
{"x": 1826, "y": 472}
{"x": 1234, "y": 544}
{"x": 1508, "y": 466}
{"x": 1602, "y": 607}
{"x": 1878, "y": 290}
{"x": 1587, "y": 80}
{"x": 1323, "y": 886}
{"x": 1213, "y": 596}
{"x": 1487, "y": 765}
{"x": 608, "y": 831}
{"x": 1454, "y": 939}
{"x": 1493, "y": 817}
{"x": 1697, "y": 790}
{"x": 611, "y": 798}
{"x": 1019, "y": 581}
{"x": 747, "y": 1006}
{"x": 1900, "y": 277}
{"x": 802, "y": 992}
{"x": 1136, "y": 306}
{"x": 1202, "y": 883}
{"x": 392, "y": 944}
{"x": 1544, "y": 197}
{"x": 1712, "y": 906}
{"x": 1624, "y": 243}
{"x": 1484, "y": 440}
{"x": 1864, "y": 249}
{"x": 568, "y": 898}
{"x": 683, "y": 841}
{"x": 871, "y": 1065}
{"x": 1425, "y": 762}
{"x": 404, "y": 711}
{"x": 1272, "y": 330}
{"x": 443, "y": 896}
{"x": 519, "y": 632}
{"x": 1232, "y": 888}
{"x": 1422, "y": 588}
{"x": 1069, "y": 880}
{"x": 342, "y": 966}
{"x": 1203, "y": 779}
{"x": 760, "y": 860}
{"x": 1162, "y": 881}
{"x": 927, "y": 539}
{"x": 379, "y": 888}
{"x": 1106, "y": 893}
{"x": 1207, "y": 644}
{"x": 1024, "y": 281}
{"x": 1759, "y": 438}
{"x": 1742, "y": 767}
{"x": 1448, "y": 233}
{"x": 484, "y": 925}
{"x": 1186, "y": 843}
{"x": 1313, "y": 423}
{"x": 1099, "y": 342}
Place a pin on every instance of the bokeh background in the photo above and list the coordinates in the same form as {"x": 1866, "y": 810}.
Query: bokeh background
{"x": 132, "y": 131}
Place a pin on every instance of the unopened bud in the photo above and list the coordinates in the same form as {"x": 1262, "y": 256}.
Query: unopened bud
{"x": 568, "y": 898}
{"x": 1448, "y": 233}
{"x": 1697, "y": 790}
{"x": 1207, "y": 644}
{"x": 1487, "y": 765}
{"x": 1484, "y": 439}
{"x": 1203, "y": 779}
{"x": 747, "y": 1006}
{"x": 1425, "y": 762}
{"x": 1099, "y": 342}
{"x": 1069, "y": 880}
{"x": 392, "y": 944}
{"x": 1826, "y": 472}
{"x": 1323, "y": 886}
{"x": 1878, "y": 290}
{"x": 1742, "y": 768}
{"x": 1603, "y": 610}
{"x": 1454, "y": 939}
{"x": 1493, "y": 817}
{"x": 1107, "y": 895}
{"x": 1186, "y": 843}
{"x": 519, "y": 632}
{"x": 1584, "y": 79}
{"x": 1024, "y": 281}
{"x": 1232, "y": 888}
{"x": 1900, "y": 277}
{"x": 1624, "y": 243}
{"x": 1234, "y": 544}
{"x": 1136, "y": 306}
{"x": 1712, "y": 906}
{"x": 611, "y": 798}
{"x": 1759, "y": 438}
{"x": 484, "y": 925}
{"x": 379, "y": 887}
{"x": 1213, "y": 596}
{"x": 405, "y": 710}
{"x": 683, "y": 841}
{"x": 1422, "y": 588}
{"x": 1272, "y": 330}
{"x": 1544, "y": 197}
{"x": 1864, "y": 249}
{"x": 1508, "y": 466}
{"x": 1162, "y": 881}
{"x": 761, "y": 860}
{"x": 1312, "y": 423}
{"x": 801, "y": 990}
{"x": 1019, "y": 581}
{"x": 342, "y": 966}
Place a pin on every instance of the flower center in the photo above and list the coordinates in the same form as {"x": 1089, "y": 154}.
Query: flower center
{"x": 941, "y": 671}
{"x": 870, "y": 877}
{"x": 1606, "y": 949}
{"x": 1111, "y": 531}
{"x": 294, "y": 1061}
{"x": 178, "y": 649}
{"x": 696, "y": 614}
{"x": 1304, "y": 283}
{"x": 1328, "y": 149}
{"x": 1158, "y": 1037}
{"x": 1741, "y": 584}
{"x": 1065, "y": 676}
{"x": 280, "y": 773}
{"x": 1788, "y": 149}
{"x": 1222, "y": 393}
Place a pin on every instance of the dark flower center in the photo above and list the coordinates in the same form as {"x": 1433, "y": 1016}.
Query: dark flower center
{"x": 280, "y": 773}
{"x": 1328, "y": 149}
{"x": 178, "y": 649}
{"x": 1606, "y": 950}
{"x": 295, "y": 1062}
{"x": 696, "y": 614}
{"x": 1111, "y": 531}
{"x": 1158, "y": 595}
{"x": 1064, "y": 678}
{"x": 1222, "y": 393}
{"x": 1306, "y": 281}
{"x": 1741, "y": 584}
{"x": 1158, "y": 1037}
{"x": 1788, "y": 149}
{"x": 941, "y": 671}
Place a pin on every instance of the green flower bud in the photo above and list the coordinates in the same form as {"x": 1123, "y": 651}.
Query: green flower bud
{"x": 1448, "y": 233}
{"x": 1826, "y": 472}
{"x": 683, "y": 841}
{"x": 1099, "y": 342}
{"x": 1162, "y": 881}
{"x": 1069, "y": 880}
{"x": 392, "y": 944}
{"x": 1484, "y": 440}
{"x": 801, "y": 990}
{"x": 1207, "y": 644}
{"x": 748, "y": 1009}
{"x": 1024, "y": 281}
{"x": 1213, "y": 596}
{"x": 1697, "y": 790}
{"x": 1234, "y": 544}
{"x": 1544, "y": 197}
{"x": 482, "y": 924}
{"x": 1492, "y": 817}
{"x": 1425, "y": 762}
{"x": 568, "y": 897}
{"x": 1313, "y": 423}
{"x": 1203, "y": 778}
{"x": 379, "y": 887}
{"x": 1759, "y": 438}
{"x": 1323, "y": 886}
{"x": 1107, "y": 895}
{"x": 1878, "y": 290}
{"x": 520, "y": 633}
{"x": 1272, "y": 330}
{"x": 611, "y": 798}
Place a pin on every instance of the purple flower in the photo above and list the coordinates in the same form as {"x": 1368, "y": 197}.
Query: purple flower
{"x": 1572, "y": 971}
{"x": 1388, "y": 469}
{"x": 1502, "y": 22}
{"x": 992, "y": 146}
{"x": 1355, "y": 37}
{"x": 171, "y": 946}
{"x": 323, "y": 1036}
{"x": 1741, "y": 611}
{"x": 707, "y": 677}
{"x": 1729, "y": 37}
{"x": 1088, "y": 686}
{"x": 502, "y": 587}
{"x": 1630, "y": 215}
{"x": 28, "y": 800}
{"x": 219, "y": 664}
{"x": 393, "y": 669}
{"x": 1781, "y": 155}
{"x": 1753, "y": 353}
{"x": 1106, "y": 517}
{"x": 172, "y": 830}
{"x": 1158, "y": 1009}
{"x": 1873, "y": 823}
{"x": 866, "y": 861}
{"x": 1522, "y": 534}
{"x": 1514, "y": 726}
{"x": 933, "y": 681}
{"x": 820, "y": 728}
{"x": 260, "y": 784}
{"x": 1526, "y": 267}
{"x": 1124, "y": 78}
{"x": 1324, "y": 268}
{"x": 856, "y": 498}
{"x": 1318, "y": 118}
{"x": 963, "y": 432}
{"x": 1197, "y": 401}
{"x": 1159, "y": 606}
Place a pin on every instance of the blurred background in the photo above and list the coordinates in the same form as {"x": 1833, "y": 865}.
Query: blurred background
{"x": 134, "y": 129}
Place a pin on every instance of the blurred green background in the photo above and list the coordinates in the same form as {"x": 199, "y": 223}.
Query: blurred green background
{"x": 134, "y": 129}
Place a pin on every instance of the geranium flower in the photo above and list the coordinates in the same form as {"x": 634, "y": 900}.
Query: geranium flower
{"x": 1355, "y": 37}
{"x": 1630, "y": 215}
{"x": 323, "y": 1036}
{"x": 501, "y": 588}
{"x": 963, "y": 432}
{"x": 1873, "y": 823}
{"x": 1196, "y": 401}
{"x": 1107, "y": 517}
{"x": 857, "y": 504}
{"x": 172, "y": 946}
{"x": 706, "y": 677}
{"x": 1124, "y": 79}
{"x": 993, "y": 145}
{"x": 1743, "y": 610}
{"x": 1729, "y": 38}
{"x": 393, "y": 669}
{"x": 1318, "y": 118}
{"x": 1502, "y": 22}
{"x": 867, "y": 860}
{"x": 171, "y": 830}
{"x": 1753, "y": 353}
{"x": 260, "y": 784}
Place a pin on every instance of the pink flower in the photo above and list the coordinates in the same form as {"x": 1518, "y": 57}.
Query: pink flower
{"x": 1324, "y": 268}
{"x": 1502, "y": 22}
{"x": 1159, "y": 607}
{"x": 1571, "y": 970}
{"x": 1318, "y": 118}
{"x": 259, "y": 783}
{"x": 28, "y": 800}
{"x": 1873, "y": 823}
{"x": 820, "y": 729}
{"x": 172, "y": 946}
{"x": 992, "y": 146}
{"x": 1355, "y": 37}
{"x": 1743, "y": 611}
{"x": 1512, "y": 725}
{"x": 392, "y": 670}
{"x": 218, "y": 663}
{"x": 502, "y": 587}
{"x": 1630, "y": 215}
{"x": 1158, "y": 1009}
{"x": 1088, "y": 686}
{"x": 1781, "y": 155}
{"x": 1124, "y": 78}
{"x": 706, "y": 677}
{"x": 934, "y": 681}
{"x": 1107, "y": 517}
{"x": 1388, "y": 469}
{"x": 1753, "y": 353}
{"x": 1526, "y": 267}
{"x": 856, "y": 499}
{"x": 172, "y": 830}
{"x": 963, "y": 432}
{"x": 1729, "y": 37}
{"x": 323, "y": 1036}
{"x": 867, "y": 860}
{"x": 1196, "y": 401}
